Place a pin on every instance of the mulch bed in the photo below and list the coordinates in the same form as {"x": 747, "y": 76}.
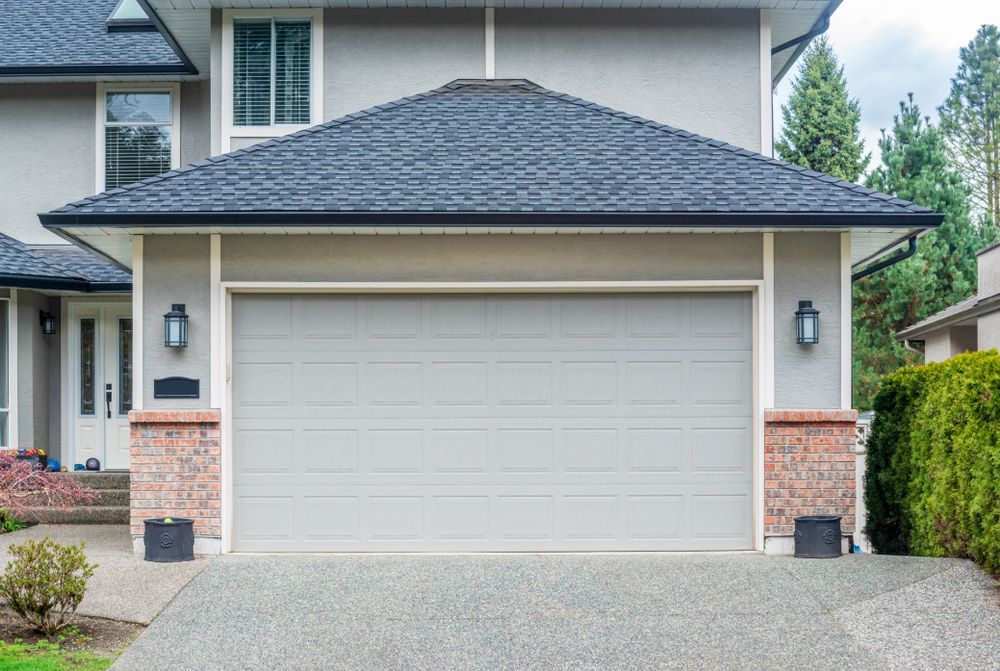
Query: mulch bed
{"x": 99, "y": 636}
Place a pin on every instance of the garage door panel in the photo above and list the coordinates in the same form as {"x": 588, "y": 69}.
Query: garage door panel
{"x": 530, "y": 422}
{"x": 519, "y": 518}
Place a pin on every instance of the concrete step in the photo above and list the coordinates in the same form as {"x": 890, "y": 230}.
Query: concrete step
{"x": 111, "y": 497}
{"x": 81, "y": 515}
{"x": 99, "y": 479}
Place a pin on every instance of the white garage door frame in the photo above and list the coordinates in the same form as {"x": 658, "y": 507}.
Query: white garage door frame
{"x": 763, "y": 370}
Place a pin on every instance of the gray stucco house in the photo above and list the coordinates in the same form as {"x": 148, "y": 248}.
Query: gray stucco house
{"x": 968, "y": 326}
{"x": 516, "y": 308}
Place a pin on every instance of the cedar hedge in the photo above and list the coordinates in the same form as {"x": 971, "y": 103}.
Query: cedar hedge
{"x": 933, "y": 471}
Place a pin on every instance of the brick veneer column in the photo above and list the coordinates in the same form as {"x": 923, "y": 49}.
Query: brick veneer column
{"x": 808, "y": 467}
{"x": 176, "y": 469}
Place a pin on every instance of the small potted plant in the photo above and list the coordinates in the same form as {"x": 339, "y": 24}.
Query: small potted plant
{"x": 169, "y": 539}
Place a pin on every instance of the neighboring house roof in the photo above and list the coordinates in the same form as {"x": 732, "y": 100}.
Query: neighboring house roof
{"x": 486, "y": 151}
{"x": 57, "y": 268}
{"x": 70, "y": 37}
{"x": 971, "y": 307}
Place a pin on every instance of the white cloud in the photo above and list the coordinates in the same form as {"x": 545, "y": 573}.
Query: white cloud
{"x": 892, "y": 47}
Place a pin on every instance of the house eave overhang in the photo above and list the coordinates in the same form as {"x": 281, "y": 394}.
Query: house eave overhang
{"x": 54, "y": 283}
{"x": 96, "y": 70}
{"x": 397, "y": 219}
{"x": 921, "y": 330}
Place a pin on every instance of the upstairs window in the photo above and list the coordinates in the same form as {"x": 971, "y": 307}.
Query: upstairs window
{"x": 138, "y": 135}
{"x": 271, "y": 71}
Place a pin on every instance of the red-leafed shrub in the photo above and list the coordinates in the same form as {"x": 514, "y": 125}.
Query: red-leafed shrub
{"x": 24, "y": 487}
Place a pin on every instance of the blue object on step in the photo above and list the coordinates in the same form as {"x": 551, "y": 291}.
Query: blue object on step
{"x": 54, "y": 466}
{"x": 857, "y": 549}
{"x": 78, "y": 467}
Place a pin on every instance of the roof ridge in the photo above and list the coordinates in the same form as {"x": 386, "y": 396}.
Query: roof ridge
{"x": 519, "y": 83}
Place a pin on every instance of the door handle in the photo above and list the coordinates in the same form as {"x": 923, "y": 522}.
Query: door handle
{"x": 107, "y": 398}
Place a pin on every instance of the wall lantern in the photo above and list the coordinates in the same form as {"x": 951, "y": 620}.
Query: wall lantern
{"x": 806, "y": 324}
{"x": 175, "y": 326}
{"x": 48, "y": 322}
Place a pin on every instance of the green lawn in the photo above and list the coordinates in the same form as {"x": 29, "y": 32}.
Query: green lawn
{"x": 44, "y": 656}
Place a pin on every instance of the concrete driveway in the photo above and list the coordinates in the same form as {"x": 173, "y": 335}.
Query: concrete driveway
{"x": 640, "y": 611}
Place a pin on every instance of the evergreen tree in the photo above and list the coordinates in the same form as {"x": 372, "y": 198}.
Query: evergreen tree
{"x": 915, "y": 167}
{"x": 970, "y": 120}
{"x": 821, "y": 123}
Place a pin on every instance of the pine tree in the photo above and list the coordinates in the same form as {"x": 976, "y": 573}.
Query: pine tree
{"x": 915, "y": 167}
{"x": 970, "y": 120}
{"x": 821, "y": 123}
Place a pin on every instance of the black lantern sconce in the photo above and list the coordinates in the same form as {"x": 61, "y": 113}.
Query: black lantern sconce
{"x": 48, "y": 322}
{"x": 806, "y": 324}
{"x": 175, "y": 326}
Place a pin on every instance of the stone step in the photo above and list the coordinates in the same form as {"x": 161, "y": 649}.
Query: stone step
{"x": 81, "y": 515}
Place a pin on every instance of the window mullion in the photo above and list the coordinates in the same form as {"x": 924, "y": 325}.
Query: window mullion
{"x": 274, "y": 70}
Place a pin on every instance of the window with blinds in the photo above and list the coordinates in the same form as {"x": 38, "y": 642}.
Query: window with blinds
{"x": 271, "y": 71}
{"x": 138, "y": 136}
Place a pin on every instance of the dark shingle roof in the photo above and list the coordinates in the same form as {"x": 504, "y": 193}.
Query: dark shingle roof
{"x": 56, "y": 267}
{"x": 41, "y": 35}
{"x": 492, "y": 147}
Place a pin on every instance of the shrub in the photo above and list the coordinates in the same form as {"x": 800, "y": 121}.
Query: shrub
{"x": 933, "y": 474}
{"x": 45, "y": 582}
{"x": 9, "y": 523}
{"x": 23, "y": 487}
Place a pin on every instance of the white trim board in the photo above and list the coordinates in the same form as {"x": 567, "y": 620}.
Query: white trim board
{"x": 174, "y": 88}
{"x": 13, "y": 425}
{"x": 490, "y": 40}
{"x": 138, "y": 319}
{"x": 766, "y": 86}
{"x": 761, "y": 368}
{"x": 316, "y": 92}
{"x": 846, "y": 324}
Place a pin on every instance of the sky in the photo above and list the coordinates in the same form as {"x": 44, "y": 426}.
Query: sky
{"x": 892, "y": 47}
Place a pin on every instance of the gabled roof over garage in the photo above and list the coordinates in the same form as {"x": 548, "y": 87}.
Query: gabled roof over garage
{"x": 490, "y": 150}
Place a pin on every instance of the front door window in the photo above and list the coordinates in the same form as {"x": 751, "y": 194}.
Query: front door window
{"x": 88, "y": 370}
{"x": 124, "y": 366}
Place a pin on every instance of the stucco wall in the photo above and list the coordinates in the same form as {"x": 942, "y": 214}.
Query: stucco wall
{"x": 37, "y": 357}
{"x": 47, "y": 145}
{"x": 486, "y": 258}
{"x": 48, "y": 141}
{"x": 196, "y": 142}
{"x": 807, "y": 267}
{"x": 372, "y": 57}
{"x": 176, "y": 270}
{"x": 697, "y": 70}
{"x": 989, "y": 331}
{"x": 937, "y": 346}
{"x": 988, "y": 262}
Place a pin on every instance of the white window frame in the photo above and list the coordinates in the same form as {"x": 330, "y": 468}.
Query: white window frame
{"x": 11, "y": 408}
{"x": 173, "y": 88}
{"x": 229, "y": 131}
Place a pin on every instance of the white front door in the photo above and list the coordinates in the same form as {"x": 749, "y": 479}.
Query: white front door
{"x": 101, "y": 392}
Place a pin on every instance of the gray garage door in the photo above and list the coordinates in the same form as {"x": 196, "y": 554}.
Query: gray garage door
{"x": 507, "y": 422}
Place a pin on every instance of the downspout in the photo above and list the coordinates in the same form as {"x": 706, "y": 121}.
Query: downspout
{"x": 885, "y": 263}
{"x": 910, "y": 347}
{"x": 822, "y": 25}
